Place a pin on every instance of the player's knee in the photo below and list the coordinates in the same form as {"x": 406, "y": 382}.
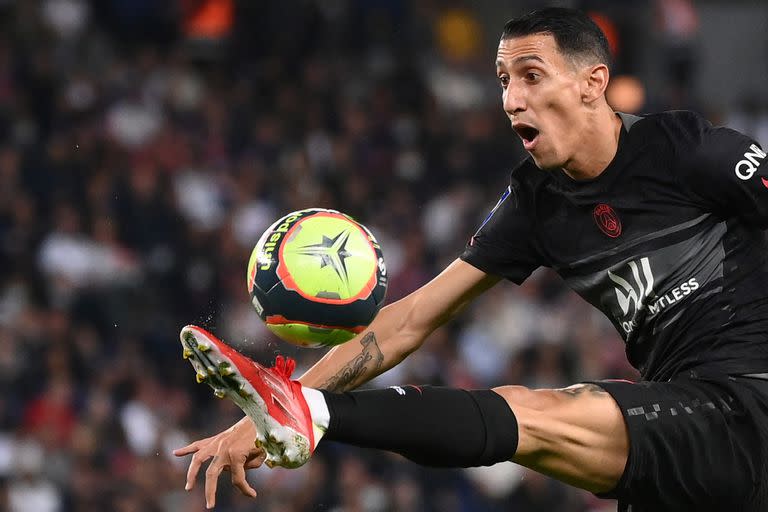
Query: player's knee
{"x": 551, "y": 420}
{"x": 523, "y": 397}
{"x": 530, "y": 408}
{"x": 577, "y": 435}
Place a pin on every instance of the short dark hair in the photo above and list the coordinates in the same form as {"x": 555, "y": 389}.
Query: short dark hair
{"x": 576, "y": 35}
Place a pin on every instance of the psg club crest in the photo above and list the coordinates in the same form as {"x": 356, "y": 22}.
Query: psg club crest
{"x": 607, "y": 220}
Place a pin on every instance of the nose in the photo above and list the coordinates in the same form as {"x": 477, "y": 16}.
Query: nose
{"x": 513, "y": 100}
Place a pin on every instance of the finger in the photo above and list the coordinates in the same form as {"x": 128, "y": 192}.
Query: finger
{"x": 256, "y": 462}
{"x": 194, "y": 467}
{"x": 211, "y": 481}
{"x": 239, "y": 481}
{"x": 186, "y": 450}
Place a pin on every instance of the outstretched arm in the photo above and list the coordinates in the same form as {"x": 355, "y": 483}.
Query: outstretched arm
{"x": 397, "y": 331}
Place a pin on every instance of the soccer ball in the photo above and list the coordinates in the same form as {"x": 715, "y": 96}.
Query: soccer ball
{"x": 317, "y": 277}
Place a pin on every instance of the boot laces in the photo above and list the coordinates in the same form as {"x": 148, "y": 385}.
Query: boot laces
{"x": 284, "y": 366}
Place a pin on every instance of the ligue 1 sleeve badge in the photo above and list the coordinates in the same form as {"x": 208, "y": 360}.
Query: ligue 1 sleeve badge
{"x": 607, "y": 220}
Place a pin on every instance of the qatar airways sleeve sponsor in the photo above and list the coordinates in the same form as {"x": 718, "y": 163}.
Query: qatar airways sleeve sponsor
{"x": 748, "y": 165}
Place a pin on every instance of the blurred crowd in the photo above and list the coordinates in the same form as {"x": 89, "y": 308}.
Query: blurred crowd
{"x": 145, "y": 146}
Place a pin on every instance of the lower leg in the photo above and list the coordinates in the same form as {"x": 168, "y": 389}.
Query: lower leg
{"x": 432, "y": 426}
{"x": 576, "y": 435}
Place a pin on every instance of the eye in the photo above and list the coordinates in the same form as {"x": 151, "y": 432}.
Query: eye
{"x": 504, "y": 81}
{"x": 532, "y": 76}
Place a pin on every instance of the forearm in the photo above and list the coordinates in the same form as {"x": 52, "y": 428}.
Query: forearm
{"x": 384, "y": 344}
{"x": 399, "y": 329}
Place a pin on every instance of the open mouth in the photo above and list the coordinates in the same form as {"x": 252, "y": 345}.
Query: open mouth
{"x": 527, "y": 133}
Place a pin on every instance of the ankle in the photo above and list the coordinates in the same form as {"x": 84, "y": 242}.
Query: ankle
{"x": 318, "y": 410}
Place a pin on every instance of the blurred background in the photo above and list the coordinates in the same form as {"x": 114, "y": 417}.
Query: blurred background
{"x": 144, "y": 147}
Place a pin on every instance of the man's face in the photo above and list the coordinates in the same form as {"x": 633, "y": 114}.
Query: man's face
{"x": 541, "y": 94}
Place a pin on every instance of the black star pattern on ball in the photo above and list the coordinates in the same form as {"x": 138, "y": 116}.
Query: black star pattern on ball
{"x": 332, "y": 252}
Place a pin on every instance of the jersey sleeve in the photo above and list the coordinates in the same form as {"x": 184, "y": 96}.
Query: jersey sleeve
{"x": 725, "y": 170}
{"x": 503, "y": 245}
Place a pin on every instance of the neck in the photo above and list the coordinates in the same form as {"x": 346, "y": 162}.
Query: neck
{"x": 600, "y": 134}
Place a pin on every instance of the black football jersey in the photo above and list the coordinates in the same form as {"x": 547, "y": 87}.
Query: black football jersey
{"x": 668, "y": 242}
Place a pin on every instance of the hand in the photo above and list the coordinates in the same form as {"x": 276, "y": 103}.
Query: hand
{"x": 233, "y": 450}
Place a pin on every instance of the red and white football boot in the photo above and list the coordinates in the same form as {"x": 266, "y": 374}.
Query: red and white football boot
{"x": 268, "y": 396}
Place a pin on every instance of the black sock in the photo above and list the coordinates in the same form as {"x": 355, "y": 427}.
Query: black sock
{"x": 432, "y": 426}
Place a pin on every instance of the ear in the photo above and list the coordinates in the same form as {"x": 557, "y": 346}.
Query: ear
{"x": 595, "y": 82}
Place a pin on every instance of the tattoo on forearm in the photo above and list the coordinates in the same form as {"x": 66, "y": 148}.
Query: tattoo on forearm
{"x": 580, "y": 389}
{"x": 370, "y": 357}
